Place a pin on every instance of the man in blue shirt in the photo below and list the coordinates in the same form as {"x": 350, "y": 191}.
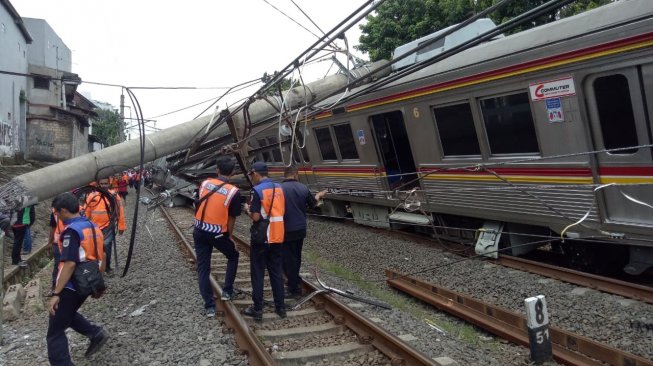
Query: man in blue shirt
{"x": 298, "y": 199}
{"x": 65, "y": 300}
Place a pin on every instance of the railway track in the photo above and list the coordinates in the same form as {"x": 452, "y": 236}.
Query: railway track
{"x": 568, "y": 348}
{"x": 322, "y": 330}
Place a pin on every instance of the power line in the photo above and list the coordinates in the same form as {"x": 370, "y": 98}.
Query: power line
{"x": 306, "y": 15}
{"x": 293, "y": 20}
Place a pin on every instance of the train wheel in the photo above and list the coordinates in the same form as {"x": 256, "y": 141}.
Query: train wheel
{"x": 595, "y": 257}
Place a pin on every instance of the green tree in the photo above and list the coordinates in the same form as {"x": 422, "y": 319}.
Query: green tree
{"x": 397, "y": 22}
{"x": 274, "y": 90}
{"x": 107, "y": 127}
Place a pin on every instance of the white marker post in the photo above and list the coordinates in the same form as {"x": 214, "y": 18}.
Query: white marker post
{"x": 538, "y": 329}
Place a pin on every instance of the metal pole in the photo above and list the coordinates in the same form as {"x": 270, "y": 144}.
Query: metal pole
{"x": 121, "y": 129}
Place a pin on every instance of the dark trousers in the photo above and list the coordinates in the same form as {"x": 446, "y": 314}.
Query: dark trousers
{"x": 66, "y": 316}
{"x": 109, "y": 241}
{"x": 292, "y": 262}
{"x": 19, "y": 236}
{"x": 267, "y": 256}
{"x": 55, "y": 271}
{"x": 204, "y": 244}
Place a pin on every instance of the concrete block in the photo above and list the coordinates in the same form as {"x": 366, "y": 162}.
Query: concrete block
{"x": 33, "y": 298}
{"x": 12, "y": 302}
{"x": 407, "y": 337}
{"x": 445, "y": 361}
{"x": 582, "y": 291}
{"x": 627, "y": 302}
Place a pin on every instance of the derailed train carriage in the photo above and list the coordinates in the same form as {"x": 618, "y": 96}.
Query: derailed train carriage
{"x": 541, "y": 132}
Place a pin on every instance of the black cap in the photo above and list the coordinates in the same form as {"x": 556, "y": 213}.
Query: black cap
{"x": 259, "y": 167}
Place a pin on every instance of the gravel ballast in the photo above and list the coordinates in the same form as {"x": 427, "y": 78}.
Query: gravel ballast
{"x": 365, "y": 254}
{"x": 154, "y": 315}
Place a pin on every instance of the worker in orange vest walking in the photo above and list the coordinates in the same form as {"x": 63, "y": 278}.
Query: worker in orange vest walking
{"x": 218, "y": 206}
{"x": 266, "y": 211}
{"x": 99, "y": 210}
{"x": 80, "y": 241}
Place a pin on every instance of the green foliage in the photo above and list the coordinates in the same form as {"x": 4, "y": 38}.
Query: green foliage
{"x": 107, "y": 127}
{"x": 274, "y": 90}
{"x": 397, "y": 22}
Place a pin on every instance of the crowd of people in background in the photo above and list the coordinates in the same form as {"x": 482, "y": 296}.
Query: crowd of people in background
{"x": 73, "y": 214}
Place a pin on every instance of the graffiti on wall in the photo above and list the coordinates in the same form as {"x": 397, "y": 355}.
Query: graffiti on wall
{"x": 44, "y": 143}
{"x": 5, "y": 134}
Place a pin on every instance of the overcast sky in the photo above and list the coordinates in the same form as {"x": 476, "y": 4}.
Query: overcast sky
{"x": 197, "y": 43}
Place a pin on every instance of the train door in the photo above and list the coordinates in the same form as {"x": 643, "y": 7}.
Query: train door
{"x": 394, "y": 150}
{"x": 619, "y": 110}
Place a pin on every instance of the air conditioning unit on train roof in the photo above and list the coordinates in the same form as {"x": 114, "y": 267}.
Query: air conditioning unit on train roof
{"x": 462, "y": 35}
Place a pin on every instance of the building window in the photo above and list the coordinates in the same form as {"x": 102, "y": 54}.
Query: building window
{"x": 325, "y": 143}
{"x": 509, "y": 124}
{"x": 345, "y": 140}
{"x": 456, "y": 129}
{"x": 616, "y": 113}
{"x": 41, "y": 83}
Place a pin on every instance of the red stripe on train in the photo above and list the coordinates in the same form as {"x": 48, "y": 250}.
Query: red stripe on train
{"x": 567, "y": 172}
{"x": 538, "y": 62}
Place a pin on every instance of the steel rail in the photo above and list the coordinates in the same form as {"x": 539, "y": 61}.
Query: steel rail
{"x": 601, "y": 283}
{"x": 568, "y": 348}
{"x": 367, "y": 331}
{"x": 246, "y": 339}
{"x": 605, "y": 284}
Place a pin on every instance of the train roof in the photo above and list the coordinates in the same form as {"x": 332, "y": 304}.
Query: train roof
{"x": 610, "y": 15}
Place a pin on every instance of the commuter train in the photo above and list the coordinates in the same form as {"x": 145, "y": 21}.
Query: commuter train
{"x": 544, "y": 132}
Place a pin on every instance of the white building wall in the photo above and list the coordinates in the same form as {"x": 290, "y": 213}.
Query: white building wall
{"x": 13, "y": 57}
{"x": 48, "y": 49}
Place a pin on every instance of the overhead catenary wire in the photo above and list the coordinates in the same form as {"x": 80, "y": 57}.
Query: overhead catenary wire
{"x": 292, "y": 19}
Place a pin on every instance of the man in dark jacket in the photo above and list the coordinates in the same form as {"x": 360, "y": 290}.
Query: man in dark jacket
{"x": 24, "y": 219}
{"x": 298, "y": 199}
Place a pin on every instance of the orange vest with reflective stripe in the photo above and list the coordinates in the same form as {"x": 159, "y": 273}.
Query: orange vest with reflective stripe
{"x": 87, "y": 246}
{"x": 216, "y": 207}
{"x": 275, "y": 215}
{"x": 97, "y": 210}
{"x": 58, "y": 230}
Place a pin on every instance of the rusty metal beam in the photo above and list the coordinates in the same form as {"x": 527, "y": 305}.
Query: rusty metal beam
{"x": 605, "y": 284}
{"x": 246, "y": 339}
{"x": 568, "y": 348}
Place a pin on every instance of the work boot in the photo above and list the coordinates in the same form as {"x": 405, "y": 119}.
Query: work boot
{"x": 97, "y": 342}
{"x": 210, "y": 312}
{"x": 281, "y": 312}
{"x": 256, "y": 314}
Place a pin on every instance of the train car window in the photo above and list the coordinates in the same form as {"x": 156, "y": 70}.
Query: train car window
{"x": 276, "y": 152}
{"x": 299, "y": 141}
{"x": 615, "y": 113}
{"x": 509, "y": 124}
{"x": 456, "y": 128}
{"x": 325, "y": 143}
{"x": 345, "y": 140}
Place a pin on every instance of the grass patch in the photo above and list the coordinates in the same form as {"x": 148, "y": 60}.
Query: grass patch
{"x": 464, "y": 332}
